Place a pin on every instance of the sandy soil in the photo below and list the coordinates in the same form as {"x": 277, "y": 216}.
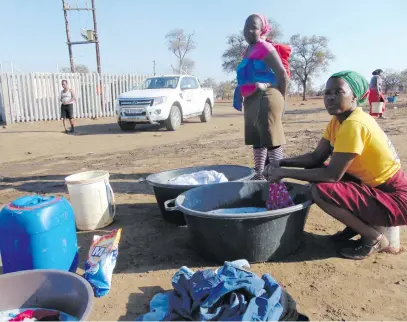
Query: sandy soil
{"x": 35, "y": 158}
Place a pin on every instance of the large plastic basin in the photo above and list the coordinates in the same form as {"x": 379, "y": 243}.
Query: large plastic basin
{"x": 257, "y": 237}
{"x": 164, "y": 191}
{"x": 48, "y": 289}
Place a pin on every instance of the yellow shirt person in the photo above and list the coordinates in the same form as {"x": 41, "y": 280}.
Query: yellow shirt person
{"x": 376, "y": 160}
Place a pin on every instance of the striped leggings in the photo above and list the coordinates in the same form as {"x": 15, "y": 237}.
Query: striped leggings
{"x": 260, "y": 158}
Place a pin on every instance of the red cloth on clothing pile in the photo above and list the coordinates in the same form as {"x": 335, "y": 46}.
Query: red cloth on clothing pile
{"x": 40, "y": 315}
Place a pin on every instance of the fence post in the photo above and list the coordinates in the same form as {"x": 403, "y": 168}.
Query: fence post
{"x": 5, "y": 106}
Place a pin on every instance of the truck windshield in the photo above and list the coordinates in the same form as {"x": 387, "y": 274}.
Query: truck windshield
{"x": 159, "y": 82}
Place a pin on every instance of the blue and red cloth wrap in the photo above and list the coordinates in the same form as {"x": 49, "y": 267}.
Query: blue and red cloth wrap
{"x": 251, "y": 71}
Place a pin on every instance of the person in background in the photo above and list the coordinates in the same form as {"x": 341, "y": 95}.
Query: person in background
{"x": 67, "y": 100}
{"x": 376, "y": 94}
{"x": 363, "y": 185}
{"x": 262, "y": 79}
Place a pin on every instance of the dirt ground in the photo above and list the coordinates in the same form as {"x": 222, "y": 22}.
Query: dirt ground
{"x": 35, "y": 158}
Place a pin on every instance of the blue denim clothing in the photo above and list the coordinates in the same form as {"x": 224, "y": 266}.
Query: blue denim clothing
{"x": 228, "y": 294}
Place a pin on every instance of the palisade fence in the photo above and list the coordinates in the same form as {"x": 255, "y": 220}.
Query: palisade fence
{"x": 36, "y": 96}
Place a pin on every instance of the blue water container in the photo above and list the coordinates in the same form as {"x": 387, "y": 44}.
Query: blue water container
{"x": 38, "y": 232}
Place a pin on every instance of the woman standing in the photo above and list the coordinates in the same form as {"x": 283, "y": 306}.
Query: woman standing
{"x": 262, "y": 81}
{"x": 363, "y": 185}
{"x": 376, "y": 94}
{"x": 67, "y": 100}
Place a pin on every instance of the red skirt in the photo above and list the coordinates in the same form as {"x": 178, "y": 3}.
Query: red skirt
{"x": 384, "y": 205}
{"x": 374, "y": 97}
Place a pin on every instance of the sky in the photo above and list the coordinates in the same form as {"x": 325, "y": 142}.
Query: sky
{"x": 364, "y": 34}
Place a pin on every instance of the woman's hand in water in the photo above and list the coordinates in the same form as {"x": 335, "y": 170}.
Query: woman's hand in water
{"x": 273, "y": 174}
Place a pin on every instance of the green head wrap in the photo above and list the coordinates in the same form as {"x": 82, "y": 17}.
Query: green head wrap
{"x": 357, "y": 83}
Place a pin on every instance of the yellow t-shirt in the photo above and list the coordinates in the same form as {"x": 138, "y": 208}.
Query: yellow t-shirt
{"x": 377, "y": 160}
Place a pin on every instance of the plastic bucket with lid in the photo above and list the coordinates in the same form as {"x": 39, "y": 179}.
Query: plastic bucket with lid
{"x": 377, "y": 107}
{"x": 92, "y": 199}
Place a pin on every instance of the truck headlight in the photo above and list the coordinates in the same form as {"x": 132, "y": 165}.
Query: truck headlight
{"x": 159, "y": 100}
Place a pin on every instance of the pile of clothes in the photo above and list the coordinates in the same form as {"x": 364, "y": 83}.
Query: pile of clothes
{"x": 230, "y": 293}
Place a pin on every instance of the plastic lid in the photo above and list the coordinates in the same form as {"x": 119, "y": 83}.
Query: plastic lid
{"x": 31, "y": 201}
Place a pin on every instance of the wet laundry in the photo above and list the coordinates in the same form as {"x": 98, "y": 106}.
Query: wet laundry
{"x": 35, "y": 314}
{"x": 279, "y": 197}
{"x": 199, "y": 178}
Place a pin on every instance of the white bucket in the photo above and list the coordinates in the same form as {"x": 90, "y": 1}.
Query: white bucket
{"x": 393, "y": 235}
{"x": 92, "y": 199}
{"x": 377, "y": 107}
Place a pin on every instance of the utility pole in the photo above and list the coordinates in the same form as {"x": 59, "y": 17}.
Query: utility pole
{"x": 95, "y": 39}
{"x": 68, "y": 37}
{"x": 95, "y": 29}
{"x": 154, "y": 67}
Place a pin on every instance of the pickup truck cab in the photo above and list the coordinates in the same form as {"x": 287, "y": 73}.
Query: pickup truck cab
{"x": 166, "y": 100}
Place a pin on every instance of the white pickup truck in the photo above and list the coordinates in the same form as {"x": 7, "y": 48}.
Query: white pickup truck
{"x": 166, "y": 100}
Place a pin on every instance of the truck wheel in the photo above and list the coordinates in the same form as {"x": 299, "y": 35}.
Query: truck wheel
{"x": 174, "y": 119}
{"x": 127, "y": 126}
{"x": 206, "y": 114}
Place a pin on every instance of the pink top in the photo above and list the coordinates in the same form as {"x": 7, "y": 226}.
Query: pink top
{"x": 258, "y": 52}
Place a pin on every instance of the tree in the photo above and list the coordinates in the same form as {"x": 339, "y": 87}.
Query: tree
{"x": 210, "y": 83}
{"x": 225, "y": 90}
{"x": 404, "y": 76}
{"x": 188, "y": 66}
{"x": 236, "y": 43}
{"x": 392, "y": 80}
{"x": 79, "y": 68}
{"x": 309, "y": 56}
{"x": 180, "y": 44}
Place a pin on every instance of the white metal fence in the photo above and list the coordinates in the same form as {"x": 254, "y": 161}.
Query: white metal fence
{"x": 36, "y": 96}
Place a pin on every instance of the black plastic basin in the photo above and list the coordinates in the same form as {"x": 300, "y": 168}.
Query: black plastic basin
{"x": 257, "y": 237}
{"x": 164, "y": 191}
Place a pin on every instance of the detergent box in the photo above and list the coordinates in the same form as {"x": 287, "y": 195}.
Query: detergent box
{"x": 102, "y": 261}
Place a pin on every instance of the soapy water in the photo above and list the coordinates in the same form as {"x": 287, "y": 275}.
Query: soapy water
{"x": 243, "y": 210}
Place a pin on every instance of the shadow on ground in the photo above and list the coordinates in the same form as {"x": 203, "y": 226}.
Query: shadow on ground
{"x": 148, "y": 243}
{"x": 312, "y": 247}
{"x": 139, "y": 303}
{"x": 113, "y": 128}
{"x": 133, "y": 183}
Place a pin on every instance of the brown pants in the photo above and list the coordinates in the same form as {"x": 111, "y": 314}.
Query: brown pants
{"x": 262, "y": 115}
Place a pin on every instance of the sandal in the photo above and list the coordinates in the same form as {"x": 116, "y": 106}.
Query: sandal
{"x": 363, "y": 249}
{"x": 344, "y": 235}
